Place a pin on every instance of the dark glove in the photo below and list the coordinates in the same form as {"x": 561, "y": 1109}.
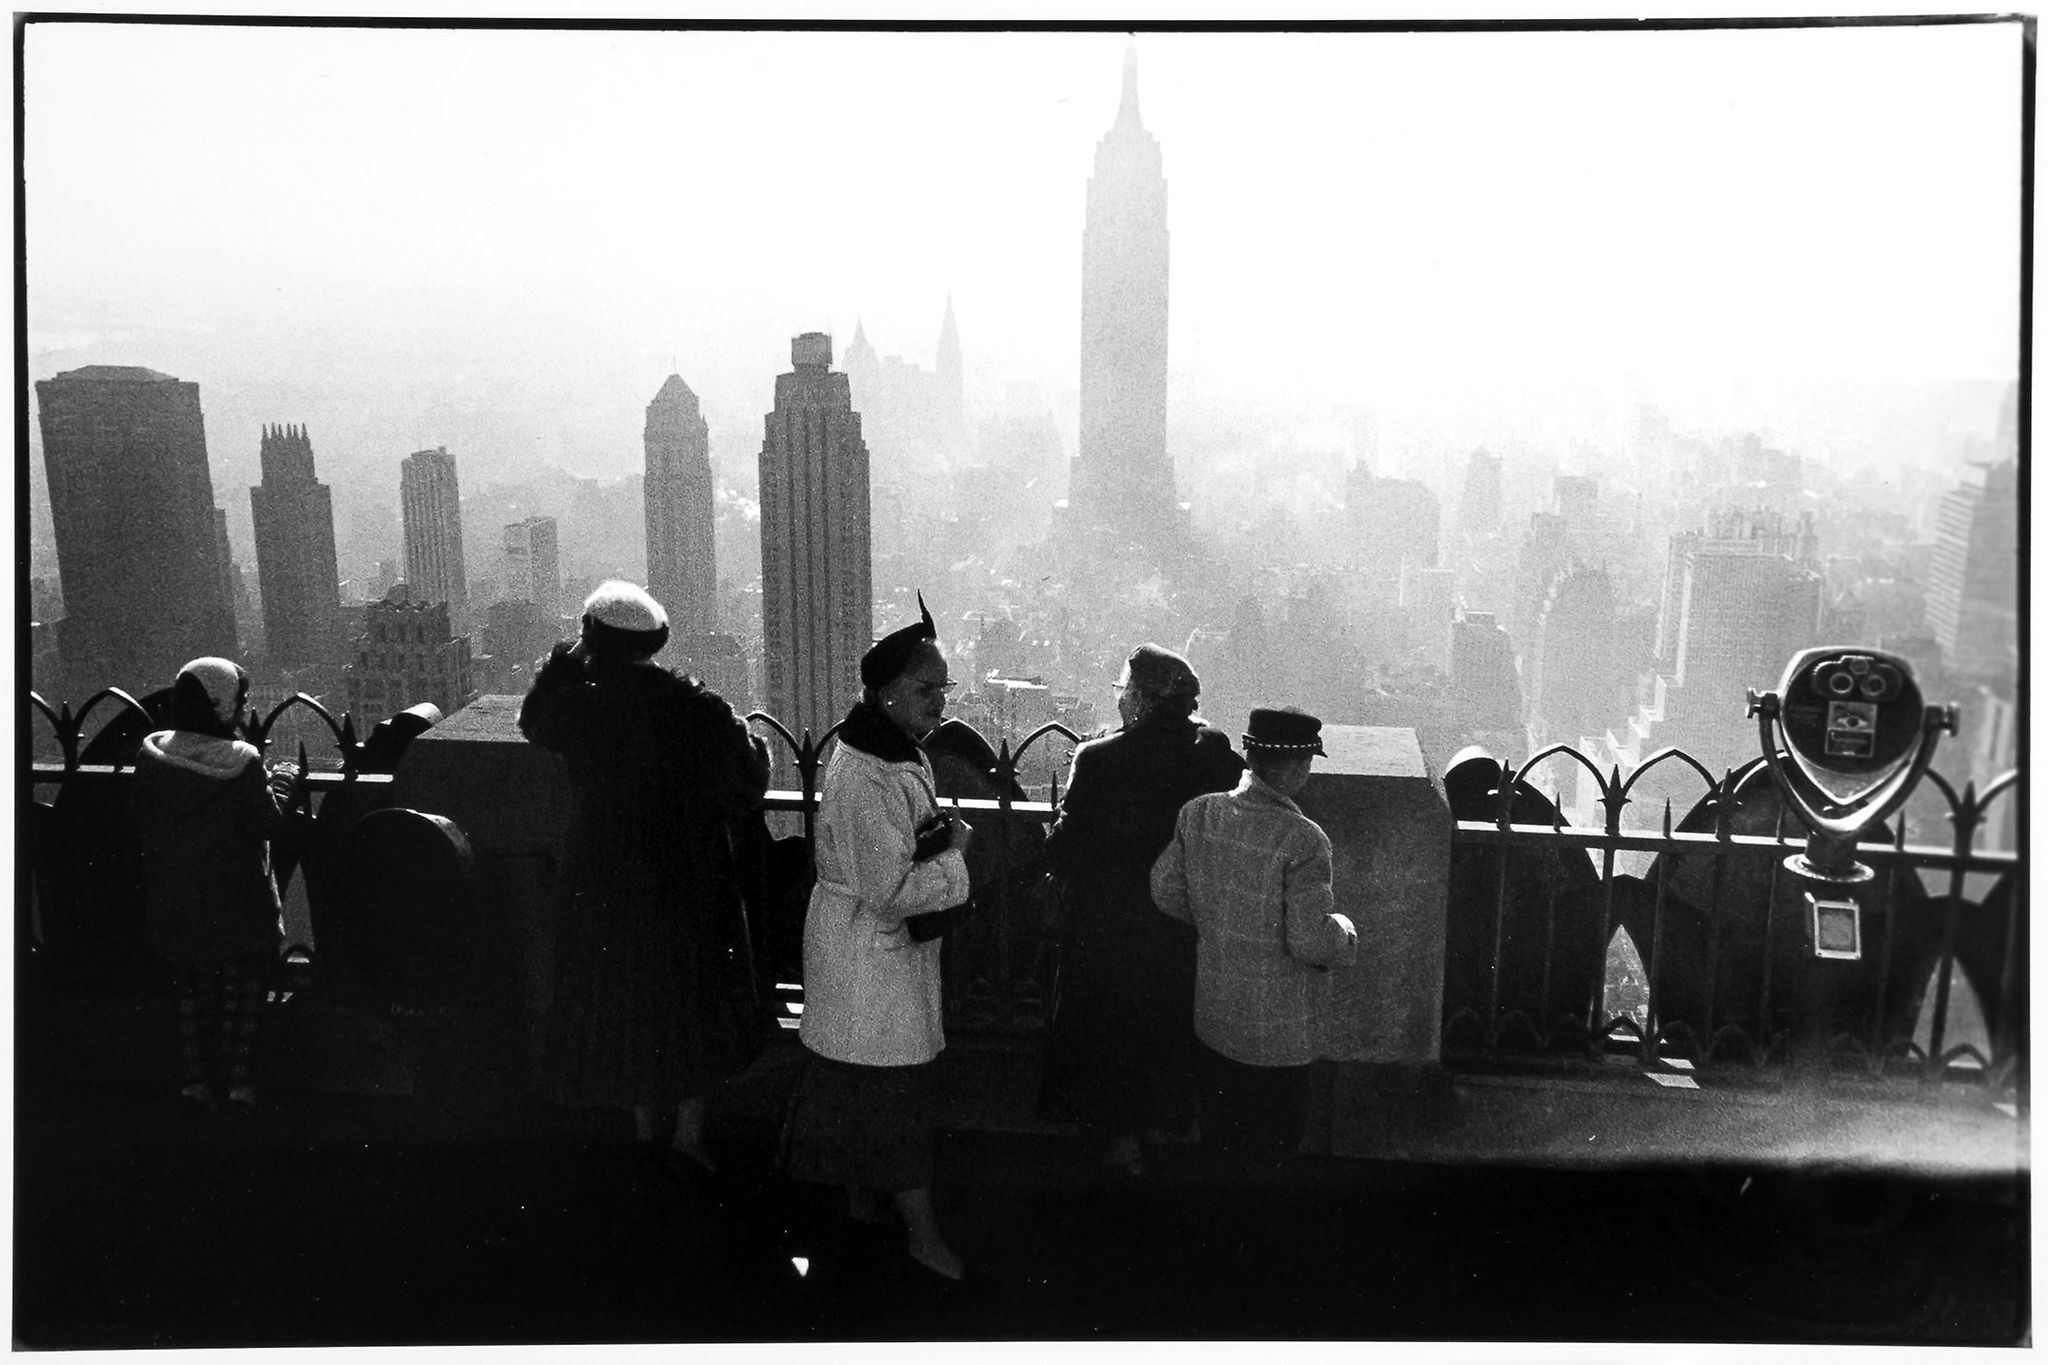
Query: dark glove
{"x": 934, "y": 837}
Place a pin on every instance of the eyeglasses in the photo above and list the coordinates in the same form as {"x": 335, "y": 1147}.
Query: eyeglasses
{"x": 936, "y": 689}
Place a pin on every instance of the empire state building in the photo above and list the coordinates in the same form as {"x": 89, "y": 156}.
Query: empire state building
{"x": 1122, "y": 475}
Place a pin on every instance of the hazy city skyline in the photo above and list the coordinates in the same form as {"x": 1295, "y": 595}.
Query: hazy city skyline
{"x": 505, "y": 241}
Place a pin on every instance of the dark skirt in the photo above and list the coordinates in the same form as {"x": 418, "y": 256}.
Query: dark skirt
{"x": 651, "y": 1004}
{"x": 861, "y": 1125}
{"x": 1120, "y": 1048}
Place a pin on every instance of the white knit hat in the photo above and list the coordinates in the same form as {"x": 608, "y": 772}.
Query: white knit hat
{"x": 623, "y": 606}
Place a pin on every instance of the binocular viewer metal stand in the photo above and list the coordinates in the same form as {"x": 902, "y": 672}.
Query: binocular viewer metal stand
{"x": 1854, "y": 715}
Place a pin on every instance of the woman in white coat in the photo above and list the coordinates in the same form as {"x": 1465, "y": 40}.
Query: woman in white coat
{"x": 886, "y": 859}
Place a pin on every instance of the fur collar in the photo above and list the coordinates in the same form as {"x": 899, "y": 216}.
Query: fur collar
{"x": 871, "y": 732}
{"x": 202, "y": 755}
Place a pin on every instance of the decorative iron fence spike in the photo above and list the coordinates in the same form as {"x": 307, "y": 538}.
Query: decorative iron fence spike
{"x": 67, "y": 735}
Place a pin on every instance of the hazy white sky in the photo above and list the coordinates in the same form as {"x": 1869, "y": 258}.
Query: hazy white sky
{"x": 413, "y": 219}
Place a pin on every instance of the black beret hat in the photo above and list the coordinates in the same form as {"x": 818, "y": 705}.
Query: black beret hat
{"x": 889, "y": 656}
{"x": 1284, "y": 729}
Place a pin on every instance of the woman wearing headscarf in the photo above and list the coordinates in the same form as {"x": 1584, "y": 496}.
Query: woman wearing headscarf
{"x": 655, "y": 1000}
{"x": 206, "y": 810}
{"x": 886, "y": 858}
{"x": 1119, "y": 1057}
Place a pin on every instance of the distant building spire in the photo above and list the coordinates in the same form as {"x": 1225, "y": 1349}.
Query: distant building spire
{"x": 860, "y": 353}
{"x": 949, "y": 372}
{"x": 1122, "y": 475}
{"x": 949, "y": 336}
{"x": 1127, "y": 111}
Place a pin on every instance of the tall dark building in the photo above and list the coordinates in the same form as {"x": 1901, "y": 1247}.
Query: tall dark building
{"x": 1544, "y": 556}
{"x": 817, "y": 570}
{"x": 682, "y": 572}
{"x": 295, "y": 561}
{"x": 431, "y": 499}
{"x": 1486, "y": 691}
{"x": 1123, "y": 476}
{"x": 1973, "y": 580}
{"x": 1574, "y": 663}
{"x": 1742, "y": 598}
{"x": 138, "y": 541}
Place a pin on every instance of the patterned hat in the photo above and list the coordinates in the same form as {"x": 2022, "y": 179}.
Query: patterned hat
{"x": 1285, "y": 729}
{"x": 889, "y": 656}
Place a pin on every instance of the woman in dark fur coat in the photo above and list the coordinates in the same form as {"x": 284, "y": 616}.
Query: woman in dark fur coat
{"x": 1120, "y": 1051}
{"x": 655, "y": 999}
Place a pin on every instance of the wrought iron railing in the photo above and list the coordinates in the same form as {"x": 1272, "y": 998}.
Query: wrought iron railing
{"x": 1000, "y": 962}
{"x": 1541, "y": 924}
{"x": 68, "y": 727}
{"x": 1540, "y": 921}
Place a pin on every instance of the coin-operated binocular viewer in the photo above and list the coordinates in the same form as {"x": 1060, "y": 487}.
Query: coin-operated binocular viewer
{"x": 1858, "y": 739}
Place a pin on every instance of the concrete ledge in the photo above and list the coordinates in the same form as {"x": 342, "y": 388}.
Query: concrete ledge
{"x": 511, "y": 799}
{"x": 1390, "y": 827}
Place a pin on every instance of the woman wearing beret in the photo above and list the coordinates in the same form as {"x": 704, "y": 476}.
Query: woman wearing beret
{"x": 655, "y": 1000}
{"x": 1119, "y": 1053}
{"x": 861, "y": 1114}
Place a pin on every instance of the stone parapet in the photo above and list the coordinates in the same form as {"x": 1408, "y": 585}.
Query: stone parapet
{"x": 1390, "y": 826}
{"x": 511, "y": 798}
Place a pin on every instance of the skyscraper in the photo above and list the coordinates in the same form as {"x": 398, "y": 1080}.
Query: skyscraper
{"x": 816, "y": 570}
{"x": 952, "y": 382}
{"x": 431, "y": 502}
{"x": 1973, "y": 578}
{"x": 914, "y": 419}
{"x": 681, "y": 570}
{"x": 1573, "y": 663}
{"x": 138, "y": 537}
{"x": 1122, "y": 475}
{"x": 530, "y": 567}
{"x": 295, "y": 562}
{"x": 1479, "y": 507}
{"x": 409, "y": 653}
{"x": 1738, "y": 606}
{"x": 1486, "y": 691}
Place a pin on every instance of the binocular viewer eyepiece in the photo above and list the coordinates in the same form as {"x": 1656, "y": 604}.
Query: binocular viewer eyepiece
{"x": 1846, "y": 737}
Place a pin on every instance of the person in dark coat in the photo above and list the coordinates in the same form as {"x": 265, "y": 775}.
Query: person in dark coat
{"x": 655, "y": 997}
{"x": 206, "y": 810}
{"x": 1119, "y": 1053}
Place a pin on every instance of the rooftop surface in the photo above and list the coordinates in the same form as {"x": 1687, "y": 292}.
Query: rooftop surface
{"x": 124, "y": 374}
{"x": 1536, "y": 1208}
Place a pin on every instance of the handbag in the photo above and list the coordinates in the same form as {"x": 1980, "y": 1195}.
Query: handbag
{"x": 934, "y": 837}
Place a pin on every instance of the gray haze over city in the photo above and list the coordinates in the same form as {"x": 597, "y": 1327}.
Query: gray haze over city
{"x": 1773, "y": 272}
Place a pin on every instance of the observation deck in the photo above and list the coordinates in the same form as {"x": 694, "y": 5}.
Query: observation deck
{"x": 1560, "y": 1100}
